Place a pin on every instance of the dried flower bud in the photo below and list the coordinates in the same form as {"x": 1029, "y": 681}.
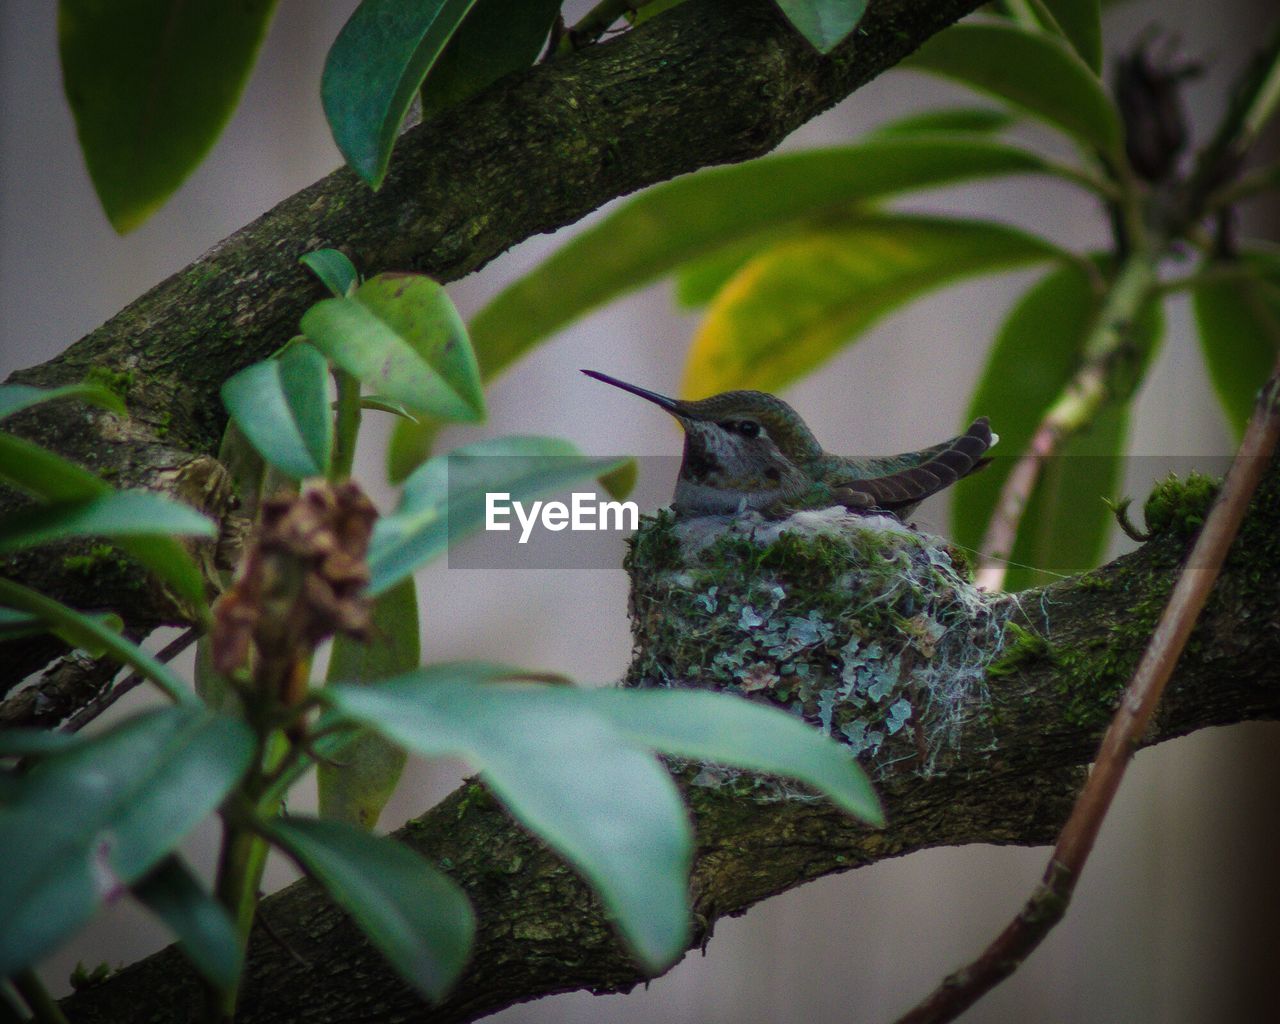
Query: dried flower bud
{"x": 302, "y": 580}
{"x": 1148, "y": 89}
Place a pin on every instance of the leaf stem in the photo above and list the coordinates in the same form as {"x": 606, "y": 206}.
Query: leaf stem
{"x": 347, "y": 426}
{"x": 1086, "y": 394}
{"x": 43, "y": 1006}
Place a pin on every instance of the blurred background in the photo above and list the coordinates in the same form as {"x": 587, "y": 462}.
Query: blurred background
{"x": 1177, "y": 916}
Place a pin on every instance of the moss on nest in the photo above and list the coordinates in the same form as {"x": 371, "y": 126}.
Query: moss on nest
{"x": 867, "y": 629}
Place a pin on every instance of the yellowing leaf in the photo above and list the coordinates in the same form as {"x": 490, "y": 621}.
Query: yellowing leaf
{"x": 796, "y": 304}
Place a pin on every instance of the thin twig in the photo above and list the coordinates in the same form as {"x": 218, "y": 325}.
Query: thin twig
{"x": 1076, "y": 407}
{"x": 596, "y": 22}
{"x": 108, "y": 697}
{"x": 1048, "y": 903}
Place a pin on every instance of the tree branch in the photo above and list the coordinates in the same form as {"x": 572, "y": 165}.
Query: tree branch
{"x": 1026, "y": 738}
{"x": 713, "y": 81}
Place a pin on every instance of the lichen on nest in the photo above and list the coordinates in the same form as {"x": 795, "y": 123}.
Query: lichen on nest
{"x": 868, "y": 629}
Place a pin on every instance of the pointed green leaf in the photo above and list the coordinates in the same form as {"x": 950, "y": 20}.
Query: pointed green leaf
{"x": 496, "y": 38}
{"x": 445, "y": 498}
{"x": 825, "y": 23}
{"x": 92, "y": 633}
{"x": 40, "y": 472}
{"x": 282, "y": 406}
{"x": 356, "y": 786}
{"x": 732, "y": 731}
{"x": 400, "y": 334}
{"x": 410, "y": 446}
{"x": 336, "y": 272}
{"x": 1034, "y": 70}
{"x": 28, "y": 742}
{"x": 964, "y": 120}
{"x": 151, "y": 84}
{"x": 564, "y": 771}
{"x": 1081, "y": 23}
{"x": 620, "y": 482}
{"x": 375, "y": 66}
{"x": 419, "y": 918}
{"x": 53, "y": 478}
{"x": 1033, "y": 357}
{"x": 120, "y": 802}
{"x": 1066, "y": 523}
{"x": 201, "y": 925}
{"x": 380, "y": 404}
{"x": 114, "y": 514}
{"x": 688, "y": 218}
{"x": 795, "y": 305}
{"x": 16, "y": 397}
{"x": 1237, "y": 324}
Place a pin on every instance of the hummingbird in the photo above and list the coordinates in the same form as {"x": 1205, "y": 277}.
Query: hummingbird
{"x": 751, "y": 450}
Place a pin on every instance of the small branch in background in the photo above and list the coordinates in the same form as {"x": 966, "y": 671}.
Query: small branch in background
{"x": 71, "y": 683}
{"x": 1076, "y": 408}
{"x": 1002, "y": 531}
{"x": 1048, "y": 904}
{"x": 1256, "y": 97}
{"x": 105, "y": 699}
{"x": 597, "y": 21}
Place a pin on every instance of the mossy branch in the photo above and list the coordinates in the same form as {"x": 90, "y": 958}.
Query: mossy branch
{"x": 710, "y": 82}
{"x": 1038, "y": 719}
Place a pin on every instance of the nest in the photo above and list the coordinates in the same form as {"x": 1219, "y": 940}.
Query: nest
{"x": 870, "y": 630}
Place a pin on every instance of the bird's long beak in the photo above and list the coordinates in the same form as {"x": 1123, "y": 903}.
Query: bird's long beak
{"x": 672, "y": 406}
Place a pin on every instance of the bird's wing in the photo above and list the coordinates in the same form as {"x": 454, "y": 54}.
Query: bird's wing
{"x": 900, "y": 482}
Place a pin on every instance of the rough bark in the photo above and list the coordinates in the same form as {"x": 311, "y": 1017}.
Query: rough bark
{"x": 715, "y": 81}
{"x": 541, "y": 929}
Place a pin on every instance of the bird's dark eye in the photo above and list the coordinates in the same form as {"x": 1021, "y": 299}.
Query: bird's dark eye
{"x": 748, "y": 428}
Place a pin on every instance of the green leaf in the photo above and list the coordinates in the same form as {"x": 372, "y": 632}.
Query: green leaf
{"x": 114, "y": 514}
{"x": 204, "y": 930}
{"x": 44, "y": 474}
{"x": 410, "y": 446}
{"x": 356, "y": 786}
{"x": 51, "y": 477}
{"x": 620, "y": 482}
{"x": 1237, "y": 324}
{"x": 732, "y": 731}
{"x": 120, "y": 802}
{"x": 379, "y": 404}
{"x": 444, "y": 500}
{"x": 93, "y": 634}
{"x": 16, "y": 397}
{"x": 1034, "y": 355}
{"x": 336, "y": 272}
{"x": 964, "y": 120}
{"x": 1081, "y": 23}
{"x": 1031, "y": 69}
{"x": 419, "y": 918}
{"x": 688, "y": 218}
{"x": 1067, "y": 522}
{"x": 565, "y": 772}
{"x": 27, "y": 742}
{"x": 400, "y": 334}
{"x": 151, "y": 84}
{"x": 796, "y": 304}
{"x": 825, "y": 23}
{"x": 496, "y": 38}
{"x": 281, "y": 405}
{"x": 375, "y": 66}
